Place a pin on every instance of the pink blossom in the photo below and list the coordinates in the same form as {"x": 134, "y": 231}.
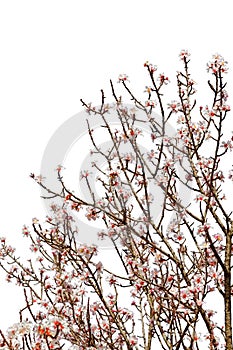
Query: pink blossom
{"x": 122, "y": 77}
{"x": 150, "y": 103}
{"x": 185, "y": 294}
{"x": 151, "y": 67}
{"x": 25, "y": 231}
{"x": 163, "y": 79}
{"x": 203, "y": 228}
{"x": 218, "y": 237}
{"x": 200, "y": 198}
{"x": 152, "y": 154}
{"x": 174, "y": 106}
{"x": 184, "y": 54}
{"x": 227, "y": 145}
{"x": 39, "y": 178}
{"x": 84, "y": 174}
{"x": 112, "y": 280}
{"x": 133, "y": 340}
{"x": 92, "y": 214}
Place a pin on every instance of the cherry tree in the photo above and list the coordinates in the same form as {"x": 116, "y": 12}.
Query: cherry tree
{"x": 167, "y": 213}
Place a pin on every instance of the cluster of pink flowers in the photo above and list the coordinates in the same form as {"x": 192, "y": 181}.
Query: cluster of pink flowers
{"x": 92, "y": 214}
{"x": 222, "y": 107}
{"x": 174, "y": 106}
{"x": 227, "y": 145}
{"x": 184, "y": 54}
{"x": 217, "y": 64}
{"x": 172, "y": 258}
{"x": 123, "y": 77}
{"x": 151, "y": 103}
{"x": 151, "y": 67}
{"x": 163, "y": 79}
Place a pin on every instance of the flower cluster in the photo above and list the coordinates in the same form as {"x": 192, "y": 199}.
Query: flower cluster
{"x": 217, "y": 65}
{"x": 92, "y": 214}
{"x": 122, "y": 78}
{"x": 150, "y": 103}
{"x": 184, "y": 54}
{"x": 151, "y": 67}
{"x": 162, "y": 209}
{"x": 174, "y": 106}
{"x": 163, "y": 79}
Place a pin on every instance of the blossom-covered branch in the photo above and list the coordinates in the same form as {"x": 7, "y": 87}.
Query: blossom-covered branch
{"x": 166, "y": 212}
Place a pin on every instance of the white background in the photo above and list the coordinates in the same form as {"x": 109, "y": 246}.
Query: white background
{"x": 52, "y": 53}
